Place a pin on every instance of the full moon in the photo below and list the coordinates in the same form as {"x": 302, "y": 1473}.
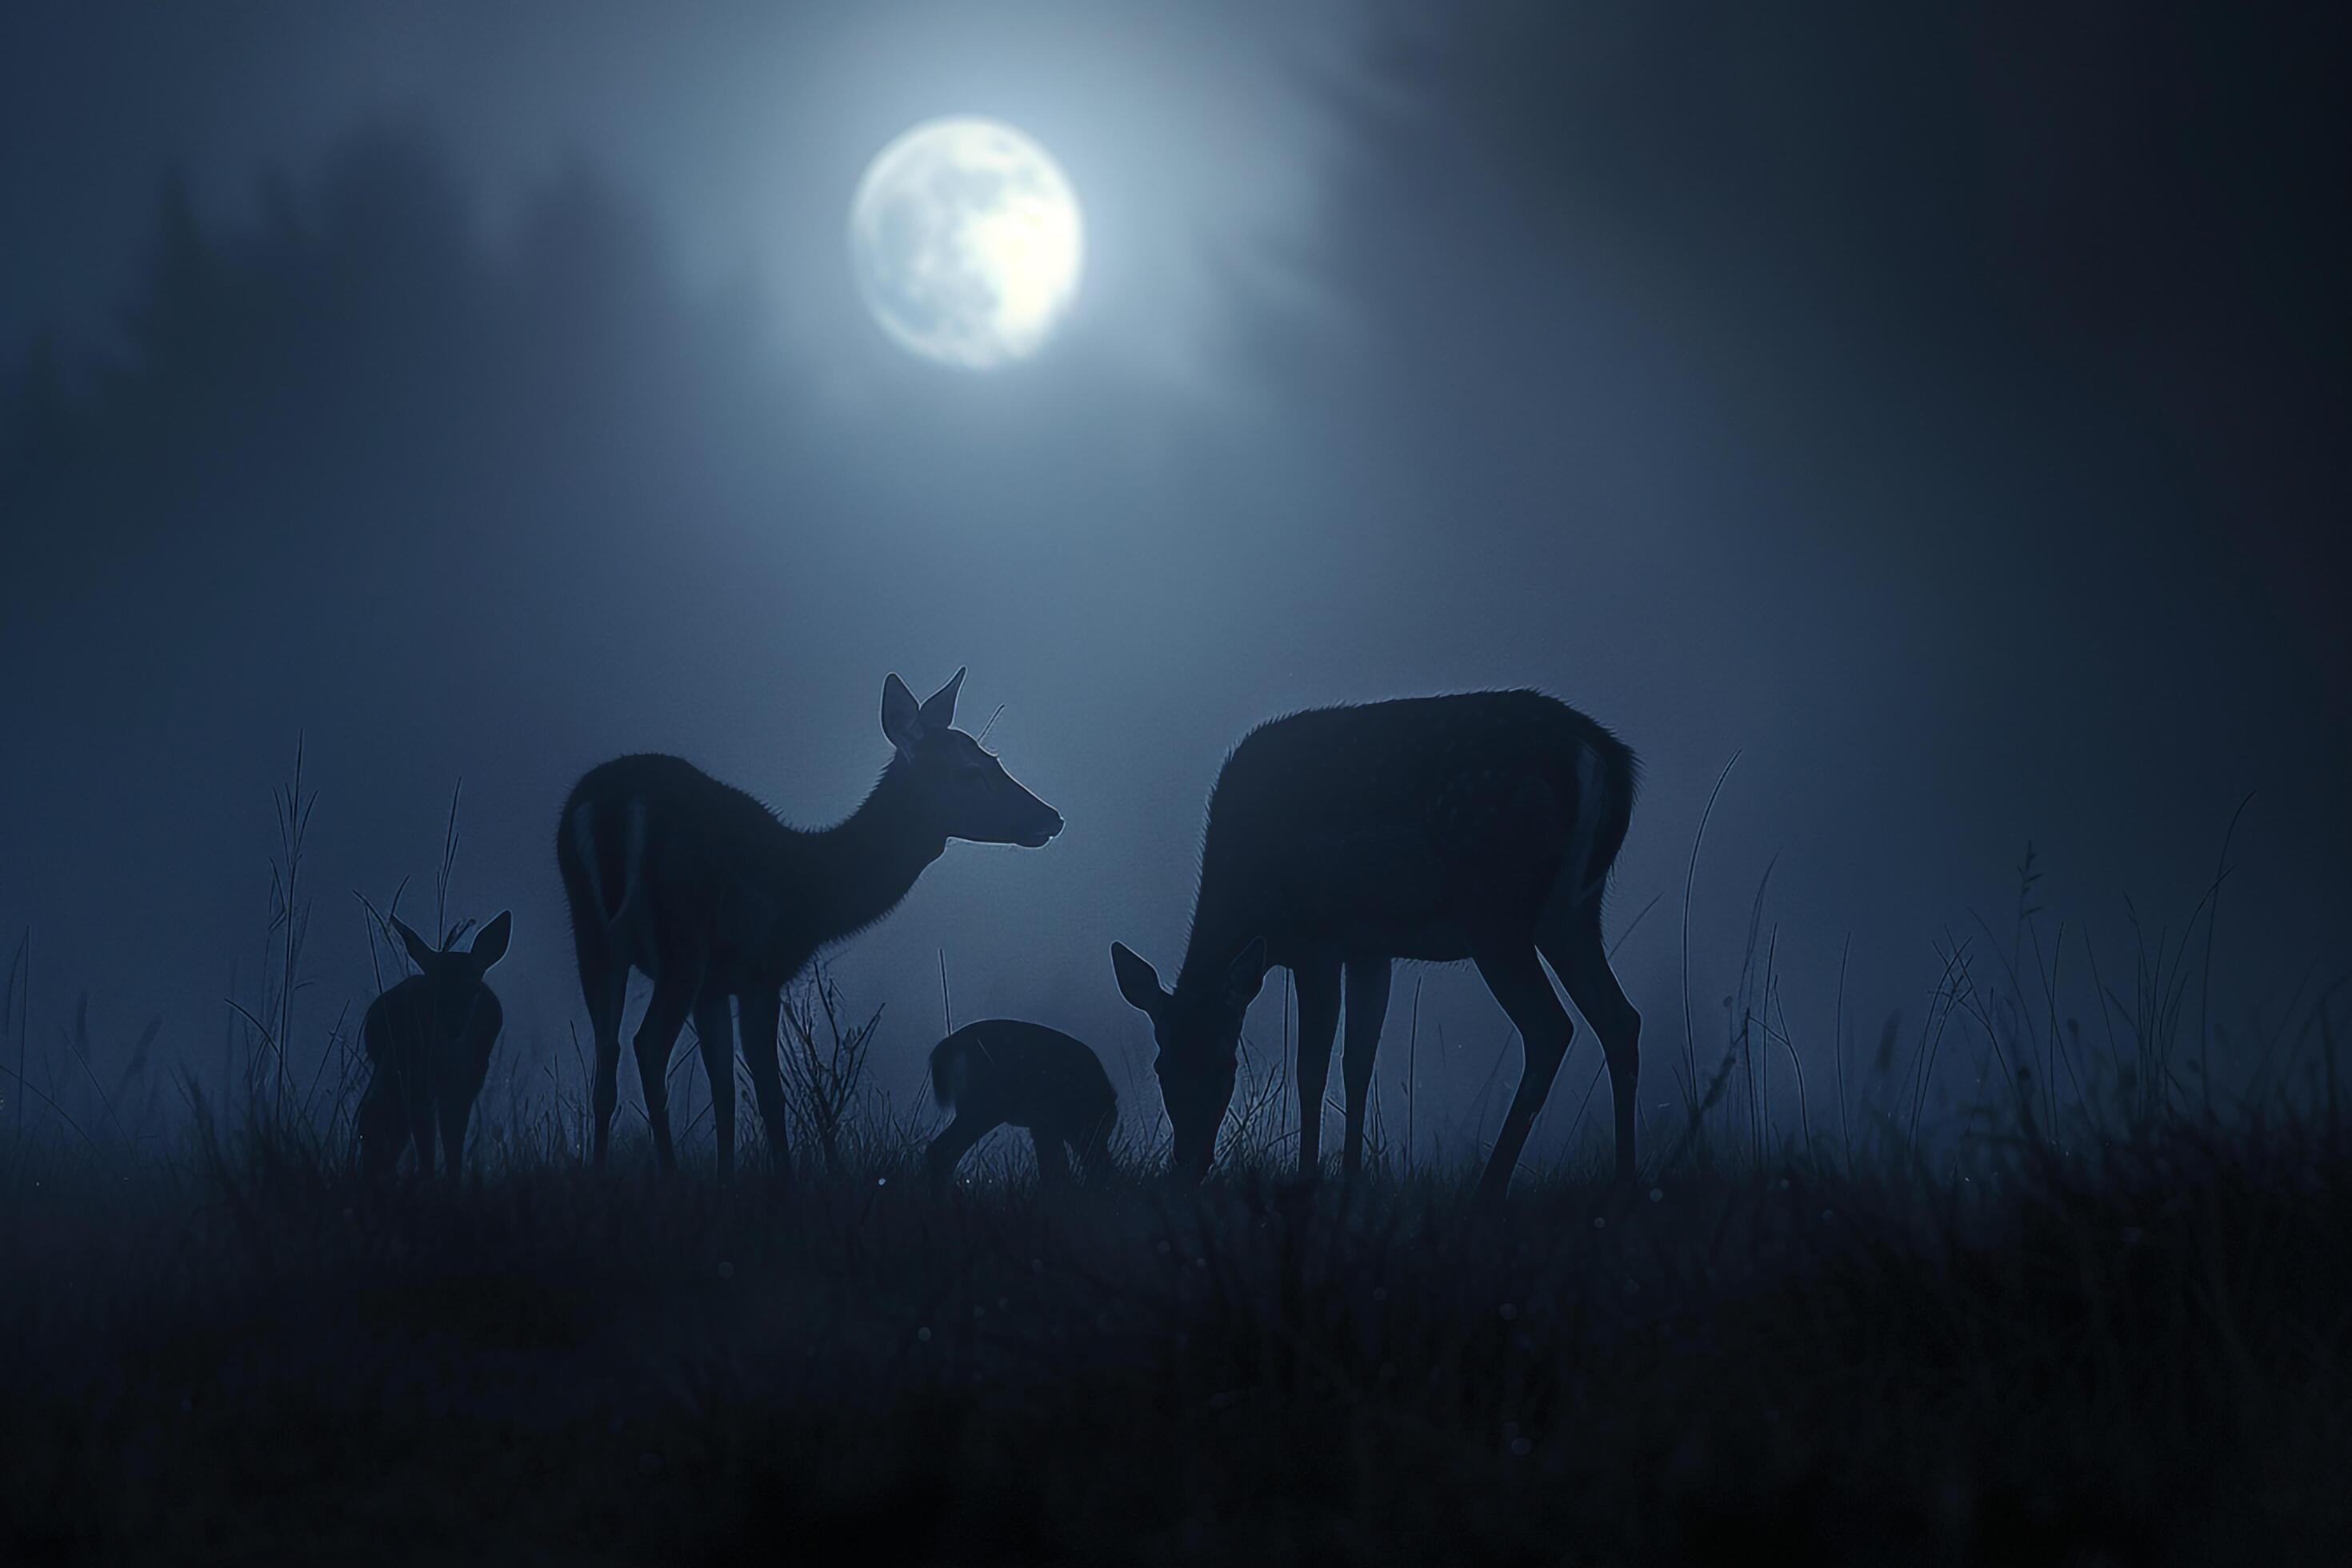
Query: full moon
{"x": 966, "y": 242}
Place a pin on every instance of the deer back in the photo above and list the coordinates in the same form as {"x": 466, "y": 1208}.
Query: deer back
{"x": 1024, "y": 1073}
{"x": 1386, "y": 826}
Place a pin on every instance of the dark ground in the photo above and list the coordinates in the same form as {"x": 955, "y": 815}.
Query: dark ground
{"x": 2134, "y": 1353}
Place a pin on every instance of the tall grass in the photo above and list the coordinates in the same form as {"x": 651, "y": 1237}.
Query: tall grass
{"x": 2096, "y": 1313}
{"x": 2133, "y": 1352}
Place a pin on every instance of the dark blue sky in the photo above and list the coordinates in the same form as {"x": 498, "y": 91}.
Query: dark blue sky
{"x": 1943, "y": 411}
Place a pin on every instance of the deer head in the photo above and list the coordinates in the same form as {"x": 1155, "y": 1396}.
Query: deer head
{"x": 1198, "y": 1028}
{"x": 962, "y": 790}
{"x": 456, "y": 978}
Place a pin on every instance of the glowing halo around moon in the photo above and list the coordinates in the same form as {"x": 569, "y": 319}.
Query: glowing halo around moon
{"x": 967, "y": 243}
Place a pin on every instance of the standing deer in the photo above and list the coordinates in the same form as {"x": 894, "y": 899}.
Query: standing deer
{"x": 1004, "y": 1070}
{"x": 428, "y": 1040}
{"x": 699, "y": 886}
{"x": 1481, "y": 826}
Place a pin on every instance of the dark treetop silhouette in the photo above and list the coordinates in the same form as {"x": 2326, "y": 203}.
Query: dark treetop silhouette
{"x": 428, "y": 1042}
{"x": 700, "y": 885}
{"x": 1480, "y": 826}
{"x": 1004, "y": 1070}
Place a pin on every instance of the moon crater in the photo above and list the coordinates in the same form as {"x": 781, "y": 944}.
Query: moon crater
{"x": 966, "y": 242}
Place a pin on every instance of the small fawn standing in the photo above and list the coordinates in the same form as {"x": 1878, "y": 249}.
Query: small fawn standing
{"x": 1003, "y": 1070}
{"x": 1481, "y": 826}
{"x": 428, "y": 1042}
{"x": 669, "y": 871}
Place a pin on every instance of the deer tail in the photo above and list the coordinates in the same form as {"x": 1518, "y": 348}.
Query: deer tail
{"x": 1606, "y": 776}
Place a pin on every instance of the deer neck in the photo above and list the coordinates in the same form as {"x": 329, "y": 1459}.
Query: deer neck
{"x": 1219, "y": 935}
{"x": 867, "y": 863}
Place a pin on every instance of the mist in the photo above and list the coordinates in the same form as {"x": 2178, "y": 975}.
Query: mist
{"x": 1916, "y": 433}
{"x": 1933, "y": 420}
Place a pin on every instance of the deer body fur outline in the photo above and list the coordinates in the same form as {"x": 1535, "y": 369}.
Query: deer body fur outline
{"x": 1479, "y": 825}
{"x": 708, "y": 892}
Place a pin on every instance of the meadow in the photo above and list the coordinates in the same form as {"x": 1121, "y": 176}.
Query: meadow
{"x": 2102, "y": 1326}
{"x": 2098, "y": 1313}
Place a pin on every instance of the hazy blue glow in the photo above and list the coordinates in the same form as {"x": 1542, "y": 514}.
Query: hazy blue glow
{"x": 504, "y": 403}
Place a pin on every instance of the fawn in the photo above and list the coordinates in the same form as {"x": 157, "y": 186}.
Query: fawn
{"x": 428, "y": 1042}
{"x": 1003, "y": 1070}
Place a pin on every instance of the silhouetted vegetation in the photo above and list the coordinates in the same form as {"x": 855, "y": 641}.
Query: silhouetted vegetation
{"x": 2095, "y": 1327}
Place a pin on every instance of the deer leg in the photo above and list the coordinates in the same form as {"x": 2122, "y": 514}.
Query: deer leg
{"x": 1581, "y": 958}
{"x": 480, "y": 1038}
{"x": 416, "y": 1095}
{"x": 605, "y": 984}
{"x": 949, "y": 1147}
{"x": 607, "y": 1093}
{"x": 456, "y": 1107}
{"x": 382, "y": 1125}
{"x": 760, "y": 1005}
{"x": 1052, "y": 1162}
{"x": 714, "y": 1030}
{"x": 657, "y": 1032}
{"x": 1516, "y": 976}
{"x": 1368, "y": 1008}
{"x": 1319, "y": 1018}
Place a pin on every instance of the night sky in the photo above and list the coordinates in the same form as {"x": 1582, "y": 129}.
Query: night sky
{"x": 1943, "y": 408}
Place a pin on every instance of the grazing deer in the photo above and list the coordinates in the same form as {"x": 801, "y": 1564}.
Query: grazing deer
{"x": 428, "y": 1042}
{"x": 699, "y": 886}
{"x": 1480, "y": 826}
{"x": 1003, "y": 1070}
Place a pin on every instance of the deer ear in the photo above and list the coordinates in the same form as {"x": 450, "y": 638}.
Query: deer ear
{"x": 1137, "y": 981}
{"x": 420, "y": 952}
{"x": 902, "y": 715}
{"x": 1246, "y": 976}
{"x": 939, "y": 709}
{"x": 492, "y": 944}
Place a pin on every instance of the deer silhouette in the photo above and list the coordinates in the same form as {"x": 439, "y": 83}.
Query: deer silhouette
{"x": 702, "y": 888}
{"x": 428, "y": 1041}
{"x": 1003, "y": 1070}
{"x": 1478, "y": 825}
